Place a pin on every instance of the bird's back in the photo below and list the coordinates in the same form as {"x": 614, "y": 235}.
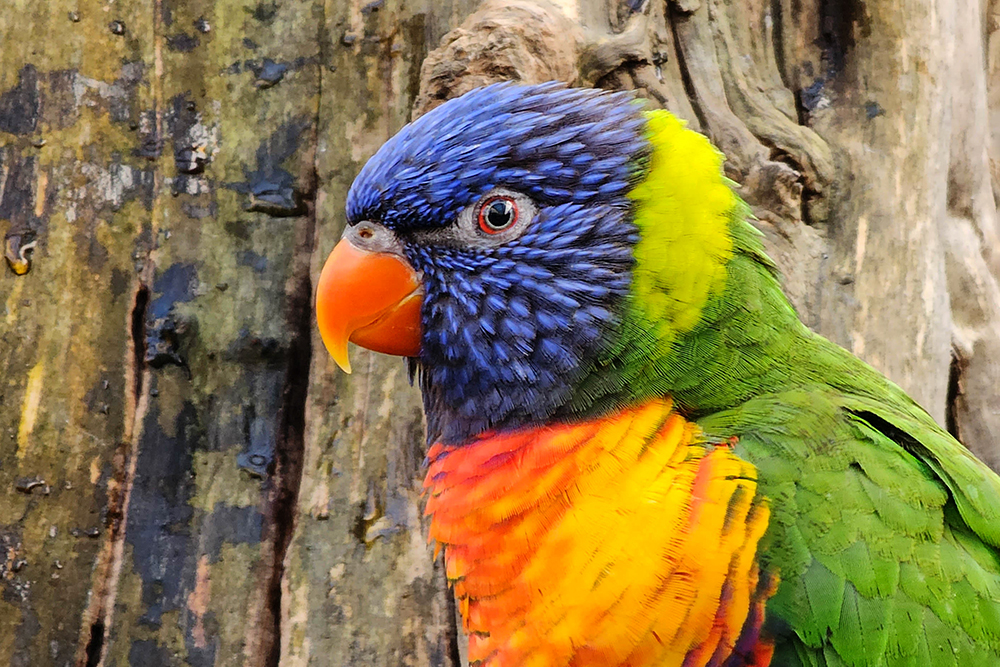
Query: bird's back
{"x": 883, "y": 527}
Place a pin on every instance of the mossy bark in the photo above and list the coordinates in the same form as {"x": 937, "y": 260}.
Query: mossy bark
{"x": 187, "y": 480}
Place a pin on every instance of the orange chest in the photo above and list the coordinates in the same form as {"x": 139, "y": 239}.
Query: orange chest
{"x": 623, "y": 541}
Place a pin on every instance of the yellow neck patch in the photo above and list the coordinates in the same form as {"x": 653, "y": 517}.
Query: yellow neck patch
{"x": 683, "y": 212}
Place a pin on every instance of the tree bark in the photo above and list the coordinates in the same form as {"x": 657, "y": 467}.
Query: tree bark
{"x": 189, "y": 481}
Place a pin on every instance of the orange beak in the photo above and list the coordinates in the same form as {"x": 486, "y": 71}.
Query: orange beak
{"x": 370, "y": 298}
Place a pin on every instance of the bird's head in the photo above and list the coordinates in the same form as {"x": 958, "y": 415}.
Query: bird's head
{"x": 511, "y": 241}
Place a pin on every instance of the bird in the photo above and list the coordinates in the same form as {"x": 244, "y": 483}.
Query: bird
{"x": 637, "y": 454}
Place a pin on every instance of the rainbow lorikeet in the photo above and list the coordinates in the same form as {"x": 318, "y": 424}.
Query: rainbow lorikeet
{"x": 638, "y": 454}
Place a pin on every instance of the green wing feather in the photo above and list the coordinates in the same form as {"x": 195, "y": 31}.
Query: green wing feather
{"x": 884, "y": 528}
{"x": 879, "y": 566}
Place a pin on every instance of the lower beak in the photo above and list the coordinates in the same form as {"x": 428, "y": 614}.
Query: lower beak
{"x": 370, "y": 298}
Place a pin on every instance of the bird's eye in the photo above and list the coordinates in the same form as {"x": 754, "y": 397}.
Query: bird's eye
{"x": 497, "y": 214}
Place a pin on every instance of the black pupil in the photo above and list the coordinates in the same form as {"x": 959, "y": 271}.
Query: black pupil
{"x": 499, "y": 213}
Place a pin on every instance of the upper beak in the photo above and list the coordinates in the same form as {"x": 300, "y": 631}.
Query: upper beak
{"x": 371, "y": 298}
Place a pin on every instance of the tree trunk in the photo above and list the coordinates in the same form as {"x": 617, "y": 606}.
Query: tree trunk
{"x": 189, "y": 481}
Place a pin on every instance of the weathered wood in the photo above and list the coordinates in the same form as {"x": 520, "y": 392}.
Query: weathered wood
{"x": 169, "y": 293}
{"x": 188, "y": 480}
{"x": 361, "y": 585}
{"x": 72, "y": 191}
{"x": 231, "y": 108}
{"x": 971, "y": 236}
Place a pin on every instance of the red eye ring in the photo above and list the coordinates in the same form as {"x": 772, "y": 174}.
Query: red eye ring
{"x": 497, "y": 214}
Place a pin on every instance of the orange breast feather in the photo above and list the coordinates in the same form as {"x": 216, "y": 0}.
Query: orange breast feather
{"x": 623, "y": 541}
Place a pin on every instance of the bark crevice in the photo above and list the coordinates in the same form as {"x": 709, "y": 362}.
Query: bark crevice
{"x": 94, "y": 633}
{"x": 955, "y": 394}
{"x": 283, "y": 499}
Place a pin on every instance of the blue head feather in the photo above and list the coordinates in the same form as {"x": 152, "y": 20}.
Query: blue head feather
{"x": 510, "y": 330}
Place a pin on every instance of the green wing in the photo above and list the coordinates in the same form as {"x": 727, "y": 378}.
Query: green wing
{"x": 884, "y": 529}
